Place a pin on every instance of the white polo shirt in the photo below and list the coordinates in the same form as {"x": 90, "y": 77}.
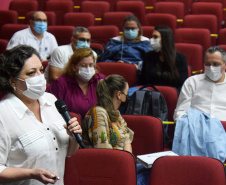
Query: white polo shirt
{"x": 45, "y": 47}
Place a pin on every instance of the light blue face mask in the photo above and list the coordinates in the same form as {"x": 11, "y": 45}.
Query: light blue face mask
{"x": 40, "y": 27}
{"x": 130, "y": 34}
{"x": 82, "y": 44}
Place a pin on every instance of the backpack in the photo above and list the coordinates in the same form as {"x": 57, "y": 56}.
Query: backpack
{"x": 151, "y": 103}
{"x": 148, "y": 102}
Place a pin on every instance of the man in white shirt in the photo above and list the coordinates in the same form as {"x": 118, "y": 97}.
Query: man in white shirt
{"x": 80, "y": 39}
{"x": 206, "y": 92}
{"x": 36, "y": 36}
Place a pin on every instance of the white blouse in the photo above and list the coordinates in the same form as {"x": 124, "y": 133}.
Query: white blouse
{"x": 27, "y": 143}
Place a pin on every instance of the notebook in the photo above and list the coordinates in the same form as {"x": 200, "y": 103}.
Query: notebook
{"x": 148, "y": 159}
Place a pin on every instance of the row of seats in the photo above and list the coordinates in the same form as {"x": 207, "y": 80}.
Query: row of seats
{"x": 109, "y": 166}
{"x": 191, "y": 42}
{"x": 98, "y": 8}
{"x": 116, "y": 18}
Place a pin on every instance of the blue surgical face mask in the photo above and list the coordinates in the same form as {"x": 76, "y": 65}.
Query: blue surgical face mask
{"x": 82, "y": 44}
{"x": 130, "y": 34}
{"x": 40, "y": 27}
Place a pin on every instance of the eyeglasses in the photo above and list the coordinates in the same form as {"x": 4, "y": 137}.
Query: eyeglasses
{"x": 132, "y": 28}
{"x": 40, "y": 20}
{"x": 83, "y": 39}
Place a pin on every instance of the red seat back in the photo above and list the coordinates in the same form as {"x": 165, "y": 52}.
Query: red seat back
{"x": 62, "y": 34}
{"x": 97, "y": 8}
{"x": 187, "y": 4}
{"x": 3, "y": 45}
{"x": 148, "y": 134}
{"x": 174, "y": 8}
{"x": 147, "y": 31}
{"x": 128, "y": 71}
{"x": 22, "y": 7}
{"x": 221, "y": 37}
{"x": 199, "y": 36}
{"x": 8, "y": 30}
{"x": 187, "y": 170}
{"x": 8, "y": 17}
{"x": 114, "y": 18}
{"x": 60, "y": 8}
{"x": 103, "y": 33}
{"x": 136, "y": 7}
{"x": 203, "y": 21}
{"x": 213, "y": 8}
{"x": 191, "y": 50}
{"x": 79, "y": 19}
{"x": 100, "y": 167}
{"x": 155, "y": 19}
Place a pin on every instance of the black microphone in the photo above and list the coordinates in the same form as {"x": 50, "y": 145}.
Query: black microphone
{"x": 63, "y": 110}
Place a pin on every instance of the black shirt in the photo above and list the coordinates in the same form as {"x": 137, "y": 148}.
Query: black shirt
{"x": 150, "y": 73}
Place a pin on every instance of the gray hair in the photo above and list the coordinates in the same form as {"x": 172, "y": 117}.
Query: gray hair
{"x": 214, "y": 49}
{"x": 79, "y": 29}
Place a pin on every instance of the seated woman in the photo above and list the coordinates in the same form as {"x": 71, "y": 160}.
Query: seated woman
{"x": 77, "y": 85}
{"x": 103, "y": 125}
{"x": 34, "y": 143}
{"x": 164, "y": 65}
{"x": 129, "y": 47}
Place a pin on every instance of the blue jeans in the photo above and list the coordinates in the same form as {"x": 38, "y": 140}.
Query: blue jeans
{"x": 143, "y": 175}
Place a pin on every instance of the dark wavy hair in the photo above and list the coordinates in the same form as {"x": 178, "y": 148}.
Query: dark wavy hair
{"x": 11, "y": 64}
{"x": 105, "y": 90}
{"x": 169, "y": 52}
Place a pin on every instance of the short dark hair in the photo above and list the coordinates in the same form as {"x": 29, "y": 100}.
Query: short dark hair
{"x": 214, "y": 49}
{"x": 11, "y": 64}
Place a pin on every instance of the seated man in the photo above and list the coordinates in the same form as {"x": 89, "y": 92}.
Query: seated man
{"x": 206, "y": 92}
{"x": 36, "y": 36}
{"x": 80, "y": 39}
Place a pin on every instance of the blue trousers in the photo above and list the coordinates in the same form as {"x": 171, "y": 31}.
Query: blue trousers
{"x": 143, "y": 175}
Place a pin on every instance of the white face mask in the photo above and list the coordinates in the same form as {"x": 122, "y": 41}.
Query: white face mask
{"x": 213, "y": 72}
{"x": 86, "y": 74}
{"x": 36, "y": 86}
{"x": 155, "y": 44}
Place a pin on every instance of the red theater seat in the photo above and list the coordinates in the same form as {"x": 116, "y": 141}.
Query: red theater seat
{"x": 148, "y": 137}
{"x": 128, "y": 71}
{"x": 79, "y": 19}
{"x": 100, "y": 167}
{"x": 187, "y": 170}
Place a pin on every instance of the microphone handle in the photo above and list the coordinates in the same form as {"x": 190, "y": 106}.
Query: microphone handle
{"x": 66, "y": 115}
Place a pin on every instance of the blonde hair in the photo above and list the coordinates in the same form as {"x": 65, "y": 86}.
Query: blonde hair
{"x": 77, "y": 56}
{"x": 105, "y": 90}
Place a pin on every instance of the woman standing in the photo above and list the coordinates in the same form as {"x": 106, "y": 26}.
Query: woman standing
{"x": 34, "y": 142}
